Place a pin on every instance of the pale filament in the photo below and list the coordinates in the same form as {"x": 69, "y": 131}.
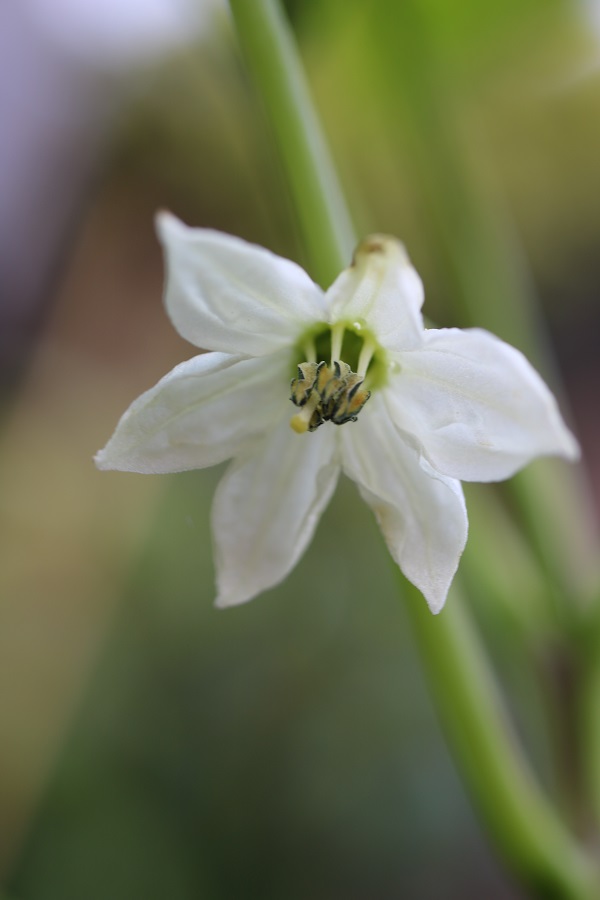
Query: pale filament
{"x": 337, "y": 337}
{"x": 366, "y": 355}
{"x": 310, "y": 351}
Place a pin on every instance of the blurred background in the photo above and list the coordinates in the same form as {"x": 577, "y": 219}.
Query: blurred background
{"x": 151, "y": 746}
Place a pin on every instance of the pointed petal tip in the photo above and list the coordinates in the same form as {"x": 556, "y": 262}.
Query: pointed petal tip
{"x": 227, "y": 599}
{"x": 100, "y": 460}
{"x": 380, "y": 245}
{"x": 561, "y": 441}
{"x": 108, "y": 462}
{"x": 436, "y": 604}
{"x": 166, "y": 223}
{"x": 571, "y": 448}
{"x": 435, "y": 595}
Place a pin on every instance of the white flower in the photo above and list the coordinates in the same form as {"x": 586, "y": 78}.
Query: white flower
{"x": 444, "y": 405}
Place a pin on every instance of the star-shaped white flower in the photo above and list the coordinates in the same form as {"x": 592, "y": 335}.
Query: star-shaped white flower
{"x": 404, "y": 411}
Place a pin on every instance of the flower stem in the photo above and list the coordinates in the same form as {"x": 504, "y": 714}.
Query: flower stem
{"x": 589, "y": 714}
{"x": 273, "y": 59}
{"x": 521, "y": 819}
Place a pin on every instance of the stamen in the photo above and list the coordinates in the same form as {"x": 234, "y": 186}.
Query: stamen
{"x": 326, "y": 394}
{"x": 366, "y": 355}
{"x": 350, "y": 402}
{"x": 332, "y": 386}
{"x": 302, "y": 386}
{"x": 308, "y": 419}
{"x": 337, "y": 339}
{"x": 329, "y": 390}
{"x": 310, "y": 351}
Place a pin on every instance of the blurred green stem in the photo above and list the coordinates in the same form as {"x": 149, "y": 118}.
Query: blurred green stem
{"x": 590, "y": 719}
{"x": 524, "y": 824}
{"x": 273, "y": 59}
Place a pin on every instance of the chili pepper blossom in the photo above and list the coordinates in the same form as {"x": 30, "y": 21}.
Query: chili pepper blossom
{"x": 404, "y": 411}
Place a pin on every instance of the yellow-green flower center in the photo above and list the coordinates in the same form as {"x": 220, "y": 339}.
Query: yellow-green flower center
{"x": 336, "y": 369}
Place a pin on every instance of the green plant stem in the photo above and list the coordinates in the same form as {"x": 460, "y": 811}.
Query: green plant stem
{"x": 560, "y": 524}
{"x": 494, "y": 575}
{"x": 523, "y": 823}
{"x": 520, "y": 818}
{"x": 589, "y": 712}
{"x": 273, "y": 59}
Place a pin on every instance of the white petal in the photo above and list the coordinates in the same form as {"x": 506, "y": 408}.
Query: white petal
{"x": 199, "y": 414}
{"x": 223, "y": 293}
{"x": 267, "y": 507}
{"x": 477, "y": 407}
{"x": 421, "y": 514}
{"x": 383, "y": 290}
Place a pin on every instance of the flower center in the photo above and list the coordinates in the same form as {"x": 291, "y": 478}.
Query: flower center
{"x": 326, "y": 394}
{"x": 326, "y": 389}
